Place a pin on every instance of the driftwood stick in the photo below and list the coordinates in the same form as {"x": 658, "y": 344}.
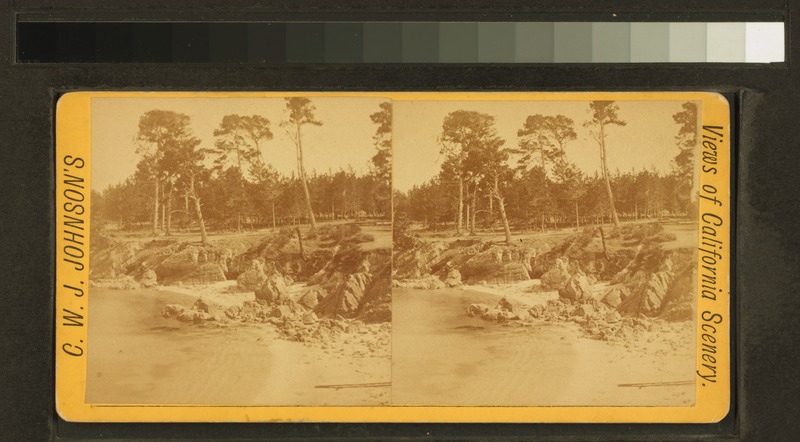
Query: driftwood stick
{"x": 368, "y": 384}
{"x": 657, "y": 384}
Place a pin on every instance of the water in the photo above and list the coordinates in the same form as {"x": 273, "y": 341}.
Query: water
{"x": 137, "y": 356}
{"x": 441, "y": 356}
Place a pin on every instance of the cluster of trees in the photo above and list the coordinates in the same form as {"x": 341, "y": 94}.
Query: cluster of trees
{"x": 477, "y": 184}
{"x": 180, "y": 184}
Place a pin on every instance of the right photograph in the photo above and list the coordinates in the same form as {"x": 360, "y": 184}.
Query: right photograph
{"x": 545, "y": 252}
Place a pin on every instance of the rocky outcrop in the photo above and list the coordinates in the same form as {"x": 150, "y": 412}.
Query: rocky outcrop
{"x": 505, "y": 310}
{"x": 577, "y": 288}
{"x": 376, "y": 305}
{"x": 497, "y": 264}
{"x": 212, "y": 309}
{"x": 477, "y": 309}
{"x": 345, "y": 298}
{"x": 614, "y": 296}
{"x": 557, "y": 276}
{"x": 162, "y": 261}
{"x": 652, "y": 284}
{"x": 111, "y": 259}
{"x": 680, "y": 296}
{"x": 254, "y": 277}
{"x": 149, "y": 278}
{"x": 273, "y": 290}
{"x": 582, "y": 252}
{"x": 200, "y": 312}
{"x": 453, "y": 278}
{"x": 476, "y": 262}
{"x": 190, "y": 264}
{"x": 647, "y": 298}
{"x": 418, "y": 262}
{"x": 311, "y": 298}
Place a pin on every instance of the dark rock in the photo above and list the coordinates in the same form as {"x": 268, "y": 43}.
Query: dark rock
{"x": 172, "y": 310}
{"x": 254, "y": 277}
{"x": 493, "y": 264}
{"x": 453, "y": 278}
{"x": 310, "y": 318}
{"x": 555, "y": 307}
{"x": 183, "y": 265}
{"x": 511, "y": 316}
{"x": 281, "y": 311}
{"x": 200, "y": 317}
{"x": 678, "y": 304}
{"x": 505, "y": 305}
{"x": 557, "y": 276}
{"x": 418, "y": 262}
{"x": 345, "y": 298}
{"x": 536, "y": 311}
{"x": 189, "y": 316}
{"x": 252, "y": 310}
{"x": 647, "y": 299}
{"x": 576, "y": 289}
{"x": 312, "y": 297}
{"x": 615, "y": 295}
{"x": 376, "y": 304}
{"x": 477, "y": 309}
{"x": 493, "y": 315}
{"x": 273, "y": 290}
{"x": 212, "y": 309}
{"x": 233, "y": 312}
{"x": 149, "y": 278}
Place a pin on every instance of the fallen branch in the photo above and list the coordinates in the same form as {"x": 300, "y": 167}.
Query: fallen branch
{"x": 369, "y": 384}
{"x": 657, "y": 384}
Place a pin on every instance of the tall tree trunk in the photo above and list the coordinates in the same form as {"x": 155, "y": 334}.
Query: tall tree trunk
{"x": 501, "y": 205}
{"x": 468, "y": 211}
{"x": 607, "y": 179}
{"x": 273, "y": 215}
{"x": 577, "y": 219}
{"x": 155, "y": 207}
{"x": 168, "y": 221}
{"x": 300, "y": 243}
{"x": 474, "y": 209}
{"x": 198, "y": 213}
{"x": 302, "y": 171}
{"x": 459, "y": 217}
{"x": 163, "y": 215}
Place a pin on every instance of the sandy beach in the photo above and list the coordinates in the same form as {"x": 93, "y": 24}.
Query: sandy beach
{"x": 138, "y": 357}
{"x": 441, "y": 356}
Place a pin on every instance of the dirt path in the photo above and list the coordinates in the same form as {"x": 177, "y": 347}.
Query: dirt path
{"x": 441, "y": 356}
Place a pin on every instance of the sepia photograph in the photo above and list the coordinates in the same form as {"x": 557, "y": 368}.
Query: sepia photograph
{"x": 240, "y": 251}
{"x": 545, "y": 252}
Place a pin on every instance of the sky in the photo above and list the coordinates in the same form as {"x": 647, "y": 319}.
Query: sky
{"x": 344, "y": 140}
{"x": 647, "y": 141}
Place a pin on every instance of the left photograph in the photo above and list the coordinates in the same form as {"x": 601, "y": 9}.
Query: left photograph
{"x": 240, "y": 251}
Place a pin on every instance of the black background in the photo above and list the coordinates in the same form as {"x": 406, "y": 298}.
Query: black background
{"x": 767, "y": 264}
